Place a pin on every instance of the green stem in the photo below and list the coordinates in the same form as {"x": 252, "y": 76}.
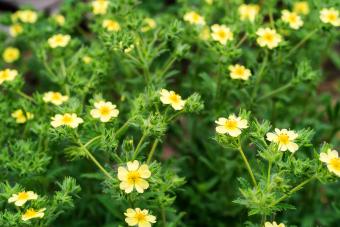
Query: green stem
{"x": 245, "y": 160}
{"x": 163, "y": 216}
{"x": 152, "y": 151}
{"x": 299, "y": 44}
{"x": 175, "y": 115}
{"x": 268, "y": 173}
{"x": 29, "y": 98}
{"x": 123, "y": 128}
{"x": 91, "y": 141}
{"x": 276, "y": 91}
{"x": 260, "y": 75}
{"x": 135, "y": 153}
{"x": 244, "y": 37}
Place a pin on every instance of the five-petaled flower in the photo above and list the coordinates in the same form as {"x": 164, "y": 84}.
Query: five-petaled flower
{"x": 134, "y": 177}
{"x": 22, "y": 197}
{"x": 232, "y": 125}
{"x": 25, "y": 16}
{"x": 284, "y": 138}
{"x": 11, "y": 54}
{"x": 173, "y": 99}
{"x": 221, "y": 33}
{"x": 111, "y": 25}
{"x": 59, "y": 40}
{"x": 138, "y": 217}
{"x": 273, "y": 224}
{"x": 15, "y": 30}
{"x": 301, "y": 7}
{"x": 248, "y": 12}
{"x": 268, "y": 38}
{"x": 59, "y": 19}
{"x": 55, "y": 98}
{"x": 32, "y": 213}
{"x": 330, "y": 16}
{"x": 194, "y": 18}
{"x": 7, "y": 75}
{"x": 99, "y": 6}
{"x": 21, "y": 117}
{"x": 331, "y": 158}
{"x": 104, "y": 111}
{"x": 239, "y": 72}
{"x": 292, "y": 18}
{"x": 67, "y": 119}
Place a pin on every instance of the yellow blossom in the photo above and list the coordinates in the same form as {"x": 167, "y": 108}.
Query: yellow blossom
{"x": 331, "y": 158}
{"x": 194, "y": 18}
{"x": 248, "y": 11}
{"x": 232, "y": 125}
{"x": 268, "y": 38}
{"x": 274, "y": 224}
{"x": 87, "y": 59}
{"x": 292, "y": 18}
{"x": 22, "y": 197}
{"x": 11, "y": 54}
{"x": 330, "y": 16}
{"x": 205, "y": 34}
{"x": 301, "y": 7}
{"x": 67, "y": 119}
{"x": 149, "y": 24}
{"x": 134, "y": 177}
{"x": 59, "y": 40}
{"x": 59, "y": 19}
{"x": 7, "y": 75}
{"x": 25, "y": 16}
{"x": 221, "y": 33}
{"x": 209, "y": 1}
{"x": 100, "y": 6}
{"x": 21, "y": 117}
{"x": 138, "y": 217}
{"x": 15, "y": 30}
{"x": 55, "y": 98}
{"x": 171, "y": 98}
{"x": 284, "y": 138}
{"x": 104, "y": 111}
{"x": 31, "y": 213}
{"x": 111, "y": 25}
{"x": 239, "y": 72}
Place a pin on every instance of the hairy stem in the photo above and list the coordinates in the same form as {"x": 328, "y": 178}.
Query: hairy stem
{"x": 245, "y": 160}
{"x": 135, "y": 153}
{"x": 152, "y": 151}
{"x": 299, "y": 44}
{"x": 260, "y": 75}
{"x": 276, "y": 91}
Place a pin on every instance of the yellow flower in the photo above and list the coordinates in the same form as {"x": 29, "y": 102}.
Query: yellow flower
{"x": 22, "y": 197}
{"x": 239, "y": 72}
{"x": 11, "y": 54}
{"x": 111, "y": 25}
{"x": 149, "y": 24}
{"x": 7, "y": 75}
{"x": 59, "y": 19}
{"x": 221, "y": 33}
{"x": 134, "y": 177}
{"x": 330, "y": 16}
{"x": 301, "y": 7}
{"x": 194, "y": 18}
{"x": 209, "y": 1}
{"x": 248, "y": 12}
{"x": 26, "y": 16}
{"x": 331, "y": 158}
{"x": 284, "y": 138}
{"x": 59, "y": 40}
{"x": 87, "y": 59}
{"x": 15, "y": 30}
{"x": 292, "y": 18}
{"x": 31, "y": 213}
{"x": 268, "y": 38}
{"x": 138, "y": 217}
{"x": 100, "y": 6}
{"x": 232, "y": 125}
{"x": 104, "y": 111}
{"x": 55, "y": 98}
{"x": 205, "y": 34}
{"x": 171, "y": 98}
{"x": 274, "y": 224}
{"x": 68, "y": 119}
{"x": 21, "y": 117}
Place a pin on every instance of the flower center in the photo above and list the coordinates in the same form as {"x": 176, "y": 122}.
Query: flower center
{"x": 283, "y": 138}
{"x": 292, "y": 18}
{"x": 22, "y": 196}
{"x": 30, "y": 213}
{"x": 222, "y": 34}
{"x": 59, "y": 39}
{"x": 231, "y": 124}
{"x": 67, "y": 119}
{"x": 268, "y": 37}
{"x": 133, "y": 176}
{"x": 335, "y": 163}
{"x": 140, "y": 217}
{"x": 174, "y": 98}
{"x": 56, "y": 96}
{"x": 239, "y": 71}
{"x": 104, "y": 110}
{"x": 331, "y": 17}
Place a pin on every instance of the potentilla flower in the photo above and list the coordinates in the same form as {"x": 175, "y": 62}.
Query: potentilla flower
{"x": 292, "y": 18}
{"x": 111, "y": 25}
{"x": 104, "y": 111}
{"x": 7, "y": 75}
{"x": 59, "y": 19}
{"x": 15, "y": 30}
{"x": 149, "y": 24}
{"x": 248, "y": 11}
{"x": 221, "y": 33}
{"x": 138, "y": 217}
{"x": 331, "y": 158}
{"x": 21, "y": 117}
{"x": 268, "y": 38}
{"x": 274, "y": 224}
{"x": 25, "y": 16}
{"x": 32, "y": 213}
{"x": 68, "y": 119}
{"x": 55, "y": 98}
{"x": 11, "y": 54}
{"x": 239, "y": 72}
{"x": 301, "y": 7}
{"x": 194, "y": 18}
{"x": 171, "y": 98}
{"x": 100, "y": 6}
{"x": 284, "y": 138}
{"x": 22, "y": 197}
{"x": 59, "y": 40}
{"x": 209, "y": 1}
{"x": 205, "y": 34}
{"x": 330, "y": 16}
{"x": 232, "y": 125}
{"x": 134, "y": 177}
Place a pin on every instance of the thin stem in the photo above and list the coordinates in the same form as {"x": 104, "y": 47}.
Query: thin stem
{"x": 250, "y": 171}
{"x": 152, "y": 151}
{"x": 135, "y": 153}
{"x": 299, "y": 44}
{"x": 268, "y": 173}
{"x": 124, "y": 127}
{"x": 244, "y": 37}
{"x": 29, "y": 98}
{"x": 91, "y": 141}
{"x": 271, "y": 19}
{"x": 276, "y": 91}
{"x": 163, "y": 216}
{"x": 260, "y": 74}
{"x": 175, "y": 115}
